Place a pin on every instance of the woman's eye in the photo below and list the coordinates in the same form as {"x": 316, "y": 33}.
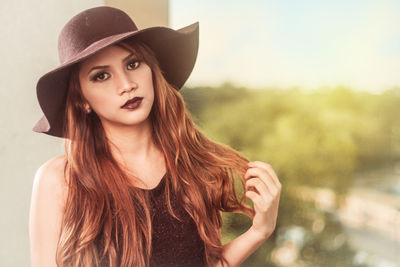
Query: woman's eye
{"x": 133, "y": 64}
{"x": 100, "y": 77}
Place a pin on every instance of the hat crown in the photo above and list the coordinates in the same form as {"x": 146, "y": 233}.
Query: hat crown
{"x": 90, "y": 26}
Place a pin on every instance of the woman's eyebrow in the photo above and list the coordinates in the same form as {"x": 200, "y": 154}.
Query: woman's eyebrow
{"x": 106, "y": 66}
{"x": 97, "y": 67}
{"x": 128, "y": 57}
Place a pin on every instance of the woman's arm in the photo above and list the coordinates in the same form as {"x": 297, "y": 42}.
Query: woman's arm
{"x": 263, "y": 188}
{"x": 48, "y": 195}
{"x": 241, "y": 247}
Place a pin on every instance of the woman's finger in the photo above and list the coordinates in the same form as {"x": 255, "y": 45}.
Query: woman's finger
{"x": 261, "y": 188}
{"x": 259, "y": 203}
{"x": 268, "y": 168}
{"x": 264, "y": 176}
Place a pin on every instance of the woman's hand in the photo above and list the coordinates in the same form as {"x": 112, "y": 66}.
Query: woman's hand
{"x": 263, "y": 188}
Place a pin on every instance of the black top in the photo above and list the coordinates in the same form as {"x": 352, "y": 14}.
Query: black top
{"x": 174, "y": 243}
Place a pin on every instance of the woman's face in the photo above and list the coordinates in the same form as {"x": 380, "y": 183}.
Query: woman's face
{"x": 109, "y": 79}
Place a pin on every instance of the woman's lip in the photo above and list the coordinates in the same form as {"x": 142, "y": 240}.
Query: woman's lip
{"x": 131, "y": 100}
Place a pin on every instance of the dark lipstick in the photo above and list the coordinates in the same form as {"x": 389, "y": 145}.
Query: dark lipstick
{"x": 132, "y": 103}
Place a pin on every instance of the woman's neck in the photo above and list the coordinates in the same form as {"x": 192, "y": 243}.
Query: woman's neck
{"x": 131, "y": 144}
{"x": 134, "y": 149}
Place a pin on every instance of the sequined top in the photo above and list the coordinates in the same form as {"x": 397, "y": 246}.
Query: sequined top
{"x": 174, "y": 243}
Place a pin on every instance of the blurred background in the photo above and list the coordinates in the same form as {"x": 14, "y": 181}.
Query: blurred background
{"x": 310, "y": 87}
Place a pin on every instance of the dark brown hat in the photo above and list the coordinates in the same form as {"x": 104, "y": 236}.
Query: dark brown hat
{"x": 99, "y": 27}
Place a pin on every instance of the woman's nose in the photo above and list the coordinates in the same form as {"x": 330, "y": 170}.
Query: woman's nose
{"x": 125, "y": 83}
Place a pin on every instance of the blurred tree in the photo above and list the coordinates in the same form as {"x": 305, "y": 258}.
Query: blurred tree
{"x": 315, "y": 139}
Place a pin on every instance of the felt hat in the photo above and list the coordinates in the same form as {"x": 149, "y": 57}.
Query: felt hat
{"x": 96, "y": 28}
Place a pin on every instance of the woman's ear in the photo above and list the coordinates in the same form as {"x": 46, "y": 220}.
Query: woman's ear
{"x": 87, "y": 108}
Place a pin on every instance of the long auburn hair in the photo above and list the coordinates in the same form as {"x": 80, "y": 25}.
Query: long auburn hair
{"x": 106, "y": 219}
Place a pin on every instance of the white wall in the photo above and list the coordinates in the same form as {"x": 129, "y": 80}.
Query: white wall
{"x": 28, "y": 49}
{"x": 145, "y": 13}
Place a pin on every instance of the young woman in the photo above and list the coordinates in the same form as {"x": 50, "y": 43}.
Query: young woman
{"x": 139, "y": 184}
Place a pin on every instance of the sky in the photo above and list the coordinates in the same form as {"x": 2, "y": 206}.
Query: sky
{"x": 286, "y": 43}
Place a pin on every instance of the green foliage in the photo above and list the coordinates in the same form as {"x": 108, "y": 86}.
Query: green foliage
{"x": 318, "y": 139}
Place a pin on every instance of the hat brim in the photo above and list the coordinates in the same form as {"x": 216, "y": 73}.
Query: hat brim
{"x": 176, "y": 51}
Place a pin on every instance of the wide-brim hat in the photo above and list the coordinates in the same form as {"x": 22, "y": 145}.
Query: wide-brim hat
{"x": 96, "y": 28}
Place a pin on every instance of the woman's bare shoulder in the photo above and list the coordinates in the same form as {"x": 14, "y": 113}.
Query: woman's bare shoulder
{"x": 54, "y": 166}
{"x": 47, "y": 204}
{"x": 50, "y": 175}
